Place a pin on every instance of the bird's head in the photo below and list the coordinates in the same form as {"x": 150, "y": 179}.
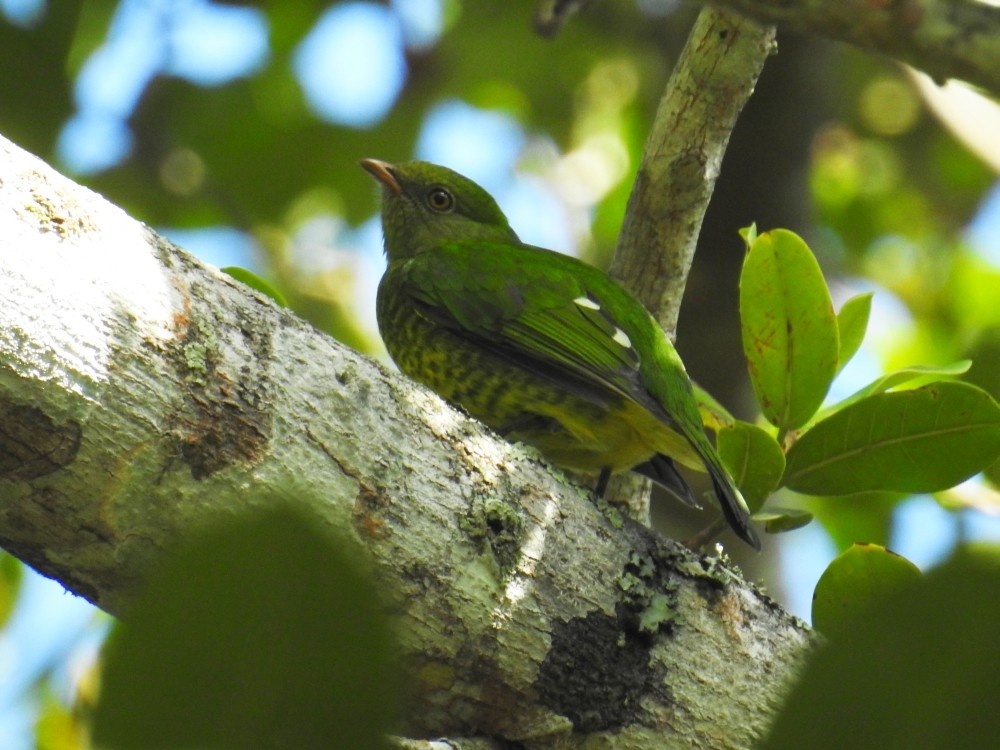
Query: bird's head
{"x": 425, "y": 205}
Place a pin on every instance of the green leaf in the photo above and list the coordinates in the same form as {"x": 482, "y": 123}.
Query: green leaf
{"x": 749, "y": 234}
{"x": 918, "y": 671}
{"x": 790, "y": 337}
{"x": 907, "y": 375}
{"x": 11, "y": 573}
{"x": 992, "y": 473}
{"x": 861, "y": 576}
{"x": 780, "y": 520}
{"x": 258, "y": 634}
{"x": 754, "y": 460}
{"x": 985, "y": 373}
{"x": 714, "y": 415}
{"x": 254, "y": 281}
{"x": 923, "y": 440}
{"x": 852, "y": 322}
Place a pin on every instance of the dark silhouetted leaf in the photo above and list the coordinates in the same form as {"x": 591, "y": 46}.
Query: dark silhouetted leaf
{"x": 916, "y": 671}
{"x": 258, "y": 634}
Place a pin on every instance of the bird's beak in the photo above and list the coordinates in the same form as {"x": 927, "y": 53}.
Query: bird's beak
{"x": 382, "y": 171}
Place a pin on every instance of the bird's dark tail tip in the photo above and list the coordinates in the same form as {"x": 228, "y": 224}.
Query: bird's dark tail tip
{"x": 734, "y": 508}
{"x": 663, "y": 471}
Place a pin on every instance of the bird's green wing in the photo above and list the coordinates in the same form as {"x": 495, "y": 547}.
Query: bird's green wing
{"x": 567, "y": 321}
{"x": 532, "y": 305}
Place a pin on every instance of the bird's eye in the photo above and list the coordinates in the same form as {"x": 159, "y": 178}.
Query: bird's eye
{"x": 440, "y": 200}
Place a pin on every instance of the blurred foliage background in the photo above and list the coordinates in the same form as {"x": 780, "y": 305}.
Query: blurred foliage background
{"x": 235, "y": 128}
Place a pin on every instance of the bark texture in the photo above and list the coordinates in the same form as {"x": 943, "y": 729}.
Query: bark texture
{"x": 145, "y": 394}
{"x": 710, "y": 84}
{"x": 944, "y": 38}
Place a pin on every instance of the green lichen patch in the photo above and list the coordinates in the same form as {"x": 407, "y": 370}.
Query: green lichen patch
{"x": 648, "y": 595}
{"x": 498, "y": 527}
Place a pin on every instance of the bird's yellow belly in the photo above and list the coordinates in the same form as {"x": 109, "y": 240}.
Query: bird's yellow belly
{"x": 584, "y": 433}
{"x": 619, "y": 438}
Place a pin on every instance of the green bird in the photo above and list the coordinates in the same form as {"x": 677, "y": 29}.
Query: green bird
{"x": 538, "y": 345}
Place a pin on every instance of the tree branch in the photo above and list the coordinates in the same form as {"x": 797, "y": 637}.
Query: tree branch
{"x": 145, "y": 394}
{"x": 944, "y": 38}
{"x": 713, "y": 79}
{"x": 710, "y": 84}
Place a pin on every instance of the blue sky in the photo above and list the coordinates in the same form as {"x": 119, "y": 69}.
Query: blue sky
{"x": 212, "y": 44}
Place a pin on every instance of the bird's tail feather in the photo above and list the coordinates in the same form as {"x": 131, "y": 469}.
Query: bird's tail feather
{"x": 734, "y": 507}
{"x": 662, "y": 471}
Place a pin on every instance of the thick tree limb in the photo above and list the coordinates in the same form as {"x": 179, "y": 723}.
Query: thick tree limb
{"x": 145, "y": 394}
{"x": 944, "y": 38}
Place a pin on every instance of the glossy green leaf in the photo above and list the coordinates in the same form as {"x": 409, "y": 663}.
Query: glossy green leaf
{"x": 714, "y": 415}
{"x": 258, "y": 634}
{"x": 984, "y": 352}
{"x": 852, "y": 323}
{"x": 254, "y": 281}
{"x": 908, "y": 375}
{"x": 859, "y": 577}
{"x": 749, "y": 234}
{"x": 917, "y": 672}
{"x": 922, "y": 440}
{"x": 754, "y": 460}
{"x": 789, "y": 329}
{"x": 780, "y": 520}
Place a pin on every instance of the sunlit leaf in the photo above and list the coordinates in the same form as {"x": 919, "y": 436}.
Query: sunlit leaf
{"x": 916, "y": 374}
{"x": 254, "y": 281}
{"x": 754, "y": 460}
{"x": 11, "y": 572}
{"x": 714, "y": 415}
{"x": 780, "y": 520}
{"x": 918, "y": 671}
{"x": 985, "y": 372}
{"x": 789, "y": 329}
{"x": 852, "y": 322}
{"x": 749, "y": 235}
{"x": 973, "y": 291}
{"x": 922, "y": 440}
{"x": 57, "y": 727}
{"x": 859, "y": 577}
